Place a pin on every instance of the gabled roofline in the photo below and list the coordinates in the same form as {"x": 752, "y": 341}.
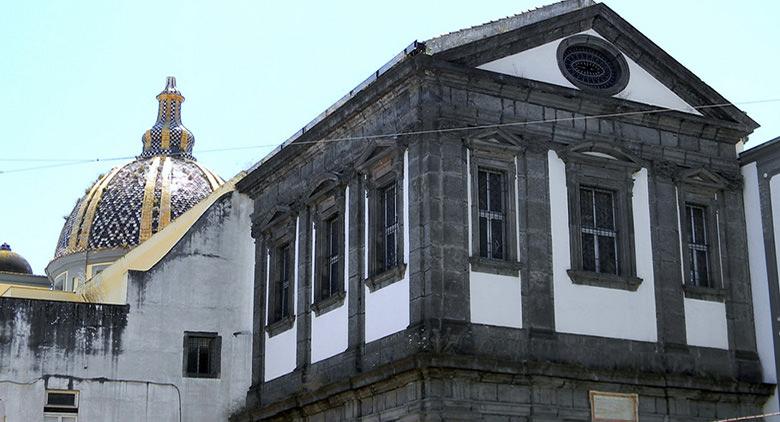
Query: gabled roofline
{"x": 521, "y": 34}
{"x": 771, "y": 147}
{"x": 464, "y": 37}
{"x": 489, "y": 29}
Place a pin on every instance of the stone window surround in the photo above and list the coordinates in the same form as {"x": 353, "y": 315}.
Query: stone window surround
{"x": 704, "y": 189}
{"x": 215, "y": 354}
{"x": 327, "y": 201}
{"x": 277, "y": 232}
{"x": 384, "y": 167}
{"x": 499, "y": 158}
{"x": 606, "y": 166}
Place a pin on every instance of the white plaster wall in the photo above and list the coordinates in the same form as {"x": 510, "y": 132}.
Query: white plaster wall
{"x": 759, "y": 281}
{"x": 600, "y": 311}
{"x": 387, "y": 309}
{"x": 541, "y": 64}
{"x": 705, "y": 323}
{"x": 493, "y": 299}
{"x": 204, "y": 284}
{"x": 329, "y": 332}
{"x": 281, "y": 349}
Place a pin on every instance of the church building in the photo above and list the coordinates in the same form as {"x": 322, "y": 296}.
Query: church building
{"x": 146, "y": 312}
{"x": 541, "y": 218}
{"x": 536, "y": 219}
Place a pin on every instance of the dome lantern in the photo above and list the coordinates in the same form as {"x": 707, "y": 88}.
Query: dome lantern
{"x": 168, "y": 136}
{"x": 12, "y": 262}
{"x": 133, "y": 201}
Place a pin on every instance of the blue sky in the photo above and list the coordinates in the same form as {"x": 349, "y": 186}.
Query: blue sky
{"x": 78, "y": 79}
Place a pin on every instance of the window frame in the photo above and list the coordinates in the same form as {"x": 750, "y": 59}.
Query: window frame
{"x": 277, "y": 233}
{"x": 699, "y": 187}
{"x": 60, "y": 411}
{"x": 383, "y": 168}
{"x": 602, "y": 166}
{"x": 325, "y": 206}
{"x": 215, "y": 354}
{"x": 500, "y": 159}
{"x": 600, "y": 232}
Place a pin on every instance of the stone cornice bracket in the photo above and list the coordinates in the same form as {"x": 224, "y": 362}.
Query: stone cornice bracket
{"x": 666, "y": 169}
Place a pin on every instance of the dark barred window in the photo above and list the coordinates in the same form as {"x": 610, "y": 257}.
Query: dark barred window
{"x": 283, "y": 295}
{"x": 387, "y": 241}
{"x": 330, "y": 276}
{"x": 696, "y": 231}
{"x": 201, "y": 355}
{"x": 598, "y": 231}
{"x": 491, "y": 214}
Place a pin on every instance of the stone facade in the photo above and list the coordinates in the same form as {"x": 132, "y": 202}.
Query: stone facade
{"x": 433, "y": 112}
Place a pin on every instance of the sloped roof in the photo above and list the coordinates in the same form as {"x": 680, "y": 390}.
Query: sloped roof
{"x": 445, "y": 44}
{"x": 499, "y": 26}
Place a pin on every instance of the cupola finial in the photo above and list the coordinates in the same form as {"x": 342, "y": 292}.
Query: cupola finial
{"x": 168, "y": 136}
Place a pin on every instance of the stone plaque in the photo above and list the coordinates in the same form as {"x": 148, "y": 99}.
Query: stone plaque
{"x": 613, "y": 407}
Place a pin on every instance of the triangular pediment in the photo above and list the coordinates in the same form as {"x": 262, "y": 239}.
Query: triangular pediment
{"x": 703, "y": 177}
{"x": 542, "y": 64}
{"x": 527, "y": 46}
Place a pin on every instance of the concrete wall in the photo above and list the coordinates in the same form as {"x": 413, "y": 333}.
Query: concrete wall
{"x": 127, "y": 361}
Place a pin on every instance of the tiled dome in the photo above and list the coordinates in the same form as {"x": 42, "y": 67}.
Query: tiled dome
{"x": 131, "y": 202}
{"x": 12, "y": 262}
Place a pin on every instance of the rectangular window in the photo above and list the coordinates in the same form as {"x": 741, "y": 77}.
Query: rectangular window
{"x": 492, "y": 214}
{"x": 201, "y": 355}
{"x": 283, "y": 292}
{"x": 330, "y": 259}
{"x": 387, "y": 236}
{"x": 598, "y": 230}
{"x": 696, "y": 231}
{"x": 61, "y": 406}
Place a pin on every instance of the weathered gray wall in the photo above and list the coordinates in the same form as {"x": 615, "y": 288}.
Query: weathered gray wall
{"x": 126, "y": 361}
{"x": 451, "y": 96}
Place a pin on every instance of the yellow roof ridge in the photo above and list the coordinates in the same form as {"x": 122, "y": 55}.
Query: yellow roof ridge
{"x": 38, "y": 293}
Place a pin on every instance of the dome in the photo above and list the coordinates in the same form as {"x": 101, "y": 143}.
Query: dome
{"x": 131, "y": 202}
{"x": 12, "y": 262}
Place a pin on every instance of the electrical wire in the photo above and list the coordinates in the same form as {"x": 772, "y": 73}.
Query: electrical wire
{"x": 71, "y": 162}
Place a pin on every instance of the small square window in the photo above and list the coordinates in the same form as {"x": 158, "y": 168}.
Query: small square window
{"x": 61, "y": 406}
{"x": 202, "y": 355}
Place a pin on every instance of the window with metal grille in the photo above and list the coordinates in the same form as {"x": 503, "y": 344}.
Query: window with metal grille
{"x": 201, "y": 355}
{"x": 492, "y": 214}
{"x": 387, "y": 239}
{"x": 698, "y": 260}
{"x": 282, "y": 300}
{"x": 61, "y": 406}
{"x": 598, "y": 231}
{"x": 330, "y": 282}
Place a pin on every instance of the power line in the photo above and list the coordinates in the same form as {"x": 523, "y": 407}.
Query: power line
{"x": 71, "y": 162}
